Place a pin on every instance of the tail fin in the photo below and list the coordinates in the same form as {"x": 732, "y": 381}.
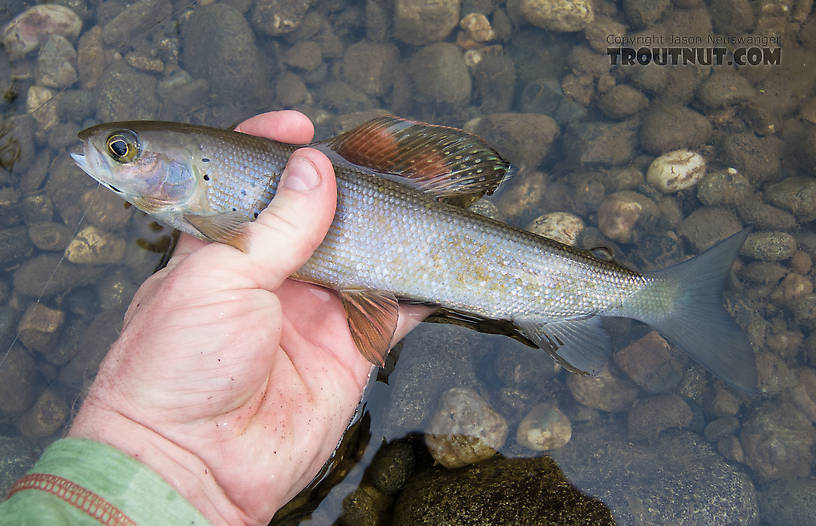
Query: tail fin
{"x": 696, "y": 320}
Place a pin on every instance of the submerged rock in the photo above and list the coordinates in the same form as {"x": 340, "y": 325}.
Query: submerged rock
{"x": 560, "y": 226}
{"x": 369, "y": 66}
{"x": 93, "y": 346}
{"x": 758, "y": 158}
{"x": 796, "y": 194}
{"x": 28, "y": 29}
{"x": 622, "y": 101}
{"x": 134, "y": 20}
{"x": 769, "y": 246}
{"x": 676, "y": 170}
{"x": 778, "y": 440}
{"x": 440, "y": 74}
{"x": 723, "y": 187}
{"x": 465, "y": 429}
{"x": 45, "y": 417}
{"x": 644, "y": 13}
{"x": 558, "y": 15}
{"x": 105, "y": 210}
{"x": 435, "y": 357}
{"x": 179, "y": 92}
{"x": 278, "y": 17}
{"x": 219, "y": 47}
{"x": 40, "y": 327}
{"x": 305, "y": 55}
{"x": 494, "y": 79}
{"x": 650, "y": 363}
{"x": 392, "y": 466}
{"x": 606, "y": 391}
{"x": 803, "y": 393}
{"x": 724, "y": 88}
{"x": 47, "y": 274}
{"x": 651, "y": 416}
{"x": 601, "y": 143}
{"x": 91, "y": 57}
{"x": 56, "y": 63}
{"x": 17, "y": 455}
{"x": 475, "y": 30}
{"x": 659, "y": 132}
{"x": 545, "y": 427}
{"x": 125, "y": 94}
{"x": 789, "y": 502}
{"x": 421, "y": 22}
{"x": 14, "y": 245}
{"x": 522, "y": 138}
{"x": 679, "y": 479}
{"x": 625, "y": 216}
{"x": 18, "y": 381}
{"x": 498, "y": 491}
{"x": 706, "y": 226}
{"x": 93, "y": 246}
{"x": 365, "y": 506}
{"x": 41, "y": 107}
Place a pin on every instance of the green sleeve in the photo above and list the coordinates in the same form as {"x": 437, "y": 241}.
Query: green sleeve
{"x": 123, "y": 482}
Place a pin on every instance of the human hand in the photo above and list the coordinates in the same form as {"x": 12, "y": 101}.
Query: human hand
{"x": 231, "y": 381}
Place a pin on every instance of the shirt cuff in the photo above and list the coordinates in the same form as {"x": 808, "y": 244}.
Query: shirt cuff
{"x": 99, "y": 480}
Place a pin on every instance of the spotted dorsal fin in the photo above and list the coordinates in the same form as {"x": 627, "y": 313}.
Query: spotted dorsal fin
{"x": 448, "y": 163}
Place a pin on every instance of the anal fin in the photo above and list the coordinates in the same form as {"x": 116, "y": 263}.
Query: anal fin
{"x": 372, "y": 318}
{"x": 580, "y": 344}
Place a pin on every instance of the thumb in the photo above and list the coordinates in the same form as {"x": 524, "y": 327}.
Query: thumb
{"x": 285, "y": 235}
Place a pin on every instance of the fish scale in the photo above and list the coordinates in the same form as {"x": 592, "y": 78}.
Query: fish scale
{"x": 439, "y": 240}
{"x": 398, "y": 234}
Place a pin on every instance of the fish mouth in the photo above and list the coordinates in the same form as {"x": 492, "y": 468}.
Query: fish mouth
{"x": 78, "y": 155}
{"x": 88, "y": 160}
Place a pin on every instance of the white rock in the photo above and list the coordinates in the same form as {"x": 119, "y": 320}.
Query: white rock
{"x": 676, "y": 171}
{"x": 93, "y": 246}
{"x": 465, "y": 429}
{"x": 558, "y": 15}
{"x": 41, "y": 107}
{"x": 560, "y": 226}
{"x": 24, "y": 33}
{"x": 545, "y": 427}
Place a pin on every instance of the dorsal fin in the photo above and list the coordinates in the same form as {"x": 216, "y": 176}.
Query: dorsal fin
{"x": 446, "y": 162}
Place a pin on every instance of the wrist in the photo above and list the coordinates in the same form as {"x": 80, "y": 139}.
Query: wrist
{"x": 180, "y": 468}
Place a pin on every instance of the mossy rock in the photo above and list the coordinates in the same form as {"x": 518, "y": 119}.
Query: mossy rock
{"x": 497, "y": 491}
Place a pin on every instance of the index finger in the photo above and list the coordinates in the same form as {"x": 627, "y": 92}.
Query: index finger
{"x": 284, "y": 126}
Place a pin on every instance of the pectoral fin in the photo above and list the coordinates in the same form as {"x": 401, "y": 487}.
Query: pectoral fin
{"x": 224, "y": 228}
{"x": 372, "y": 318}
{"x": 581, "y": 345}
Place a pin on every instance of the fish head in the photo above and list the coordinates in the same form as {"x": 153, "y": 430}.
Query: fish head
{"x": 141, "y": 164}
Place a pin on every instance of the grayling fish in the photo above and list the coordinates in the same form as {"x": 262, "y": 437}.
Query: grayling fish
{"x": 397, "y": 236}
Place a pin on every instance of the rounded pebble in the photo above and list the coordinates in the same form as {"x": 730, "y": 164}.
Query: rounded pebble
{"x": 606, "y": 391}
{"x": 676, "y": 170}
{"x": 465, "y": 429}
{"x": 769, "y": 246}
{"x": 545, "y": 427}
{"x": 560, "y": 226}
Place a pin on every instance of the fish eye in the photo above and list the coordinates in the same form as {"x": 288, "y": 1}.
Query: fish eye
{"x": 123, "y": 146}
